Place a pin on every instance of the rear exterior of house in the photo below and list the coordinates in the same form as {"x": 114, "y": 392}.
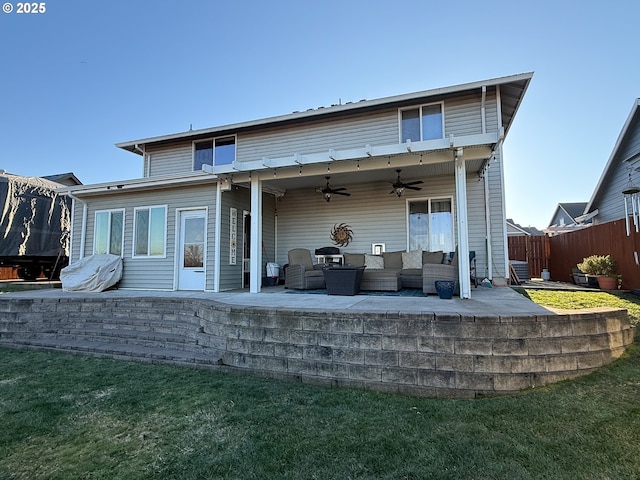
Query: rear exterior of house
{"x": 215, "y": 205}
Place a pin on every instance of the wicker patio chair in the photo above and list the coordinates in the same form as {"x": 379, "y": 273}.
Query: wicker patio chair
{"x": 302, "y": 273}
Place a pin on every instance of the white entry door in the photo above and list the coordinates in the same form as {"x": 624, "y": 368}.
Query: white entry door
{"x": 191, "y": 267}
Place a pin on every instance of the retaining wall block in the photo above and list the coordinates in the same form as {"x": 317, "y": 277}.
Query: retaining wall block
{"x": 367, "y": 342}
{"x": 365, "y": 372}
{"x": 399, "y": 375}
{"x": 436, "y": 344}
{"x": 418, "y": 360}
{"x": 561, "y": 363}
{"x": 349, "y": 355}
{"x": 333, "y": 339}
{"x": 453, "y": 363}
{"x": 515, "y": 346}
{"x": 405, "y": 344}
{"x": 333, "y": 370}
{"x": 512, "y": 383}
{"x": 382, "y": 358}
{"x": 437, "y": 379}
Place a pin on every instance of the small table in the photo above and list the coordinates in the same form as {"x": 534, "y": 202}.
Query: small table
{"x": 342, "y": 279}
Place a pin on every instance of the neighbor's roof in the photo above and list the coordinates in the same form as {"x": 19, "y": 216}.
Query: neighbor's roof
{"x": 574, "y": 210}
{"x": 633, "y": 118}
{"x": 68, "y": 179}
{"x": 512, "y": 90}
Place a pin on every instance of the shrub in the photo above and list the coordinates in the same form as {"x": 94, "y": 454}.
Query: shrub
{"x": 598, "y": 265}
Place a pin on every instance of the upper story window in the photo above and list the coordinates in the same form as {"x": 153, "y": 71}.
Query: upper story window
{"x": 149, "y": 231}
{"x": 215, "y": 151}
{"x": 425, "y": 122}
{"x": 108, "y": 233}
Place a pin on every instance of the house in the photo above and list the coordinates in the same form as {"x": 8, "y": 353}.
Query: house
{"x": 568, "y": 217}
{"x": 516, "y": 230}
{"x": 620, "y": 175}
{"x": 215, "y": 205}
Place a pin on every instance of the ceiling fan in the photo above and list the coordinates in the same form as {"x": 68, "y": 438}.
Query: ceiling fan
{"x": 327, "y": 191}
{"x": 399, "y": 186}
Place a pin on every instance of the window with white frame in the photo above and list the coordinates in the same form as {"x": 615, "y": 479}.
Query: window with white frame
{"x": 149, "y": 231}
{"x": 214, "y": 151}
{"x": 431, "y": 225}
{"x": 425, "y": 122}
{"x": 108, "y": 232}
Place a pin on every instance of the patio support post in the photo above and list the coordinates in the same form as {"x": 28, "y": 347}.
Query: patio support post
{"x": 218, "y": 236}
{"x": 463, "y": 230}
{"x": 255, "y": 264}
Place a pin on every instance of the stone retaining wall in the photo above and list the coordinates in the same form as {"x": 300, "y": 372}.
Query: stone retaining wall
{"x": 429, "y": 354}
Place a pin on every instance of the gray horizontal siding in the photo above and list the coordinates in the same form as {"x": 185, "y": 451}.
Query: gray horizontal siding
{"x": 610, "y": 204}
{"x": 374, "y": 129}
{"x": 151, "y": 273}
{"x": 462, "y": 117}
{"x": 174, "y": 161}
{"x": 305, "y": 221}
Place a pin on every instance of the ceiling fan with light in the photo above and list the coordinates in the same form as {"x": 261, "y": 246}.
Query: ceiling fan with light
{"x": 399, "y": 186}
{"x": 328, "y": 190}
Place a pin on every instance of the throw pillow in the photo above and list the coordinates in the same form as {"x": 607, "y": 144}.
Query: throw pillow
{"x": 412, "y": 259}
{"x": 355, "y": 259}
{"x": 373, "y": 262}
{"x": 433, "y": 257}
{"x": 392, "y": 260}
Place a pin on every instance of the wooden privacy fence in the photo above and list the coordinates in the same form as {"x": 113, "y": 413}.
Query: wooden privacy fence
{"x": 568, "y": 249}
{"x": 533, "y": 249}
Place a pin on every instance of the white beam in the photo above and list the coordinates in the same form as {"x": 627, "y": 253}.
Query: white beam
{"x": 216, "y": 248}
{"x": 255, "y": 263}
{"x": 463, "y": 228}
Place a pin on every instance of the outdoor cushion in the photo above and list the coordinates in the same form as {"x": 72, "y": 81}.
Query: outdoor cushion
{"x": 432, "y": 257}
{"x": 355, "y": 259}
{"x": 373, "y": 262}
{"x": 392, "y": 260}
{"x": 412, "y": 259}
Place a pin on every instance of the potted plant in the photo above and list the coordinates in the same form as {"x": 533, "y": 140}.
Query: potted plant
{"x": 603, "y": 267}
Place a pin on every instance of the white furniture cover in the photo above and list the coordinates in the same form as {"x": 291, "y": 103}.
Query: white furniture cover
{"x": 94, "y": 273}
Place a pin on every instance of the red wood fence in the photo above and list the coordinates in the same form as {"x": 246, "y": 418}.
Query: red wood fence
{"x": 561, "y": 253}
{"x": 568, "y": 249}
{"x": 533, "y": 249}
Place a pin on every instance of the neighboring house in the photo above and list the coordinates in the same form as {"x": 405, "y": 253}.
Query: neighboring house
{"x": 621, "y": 172}
{"x": 568, "y": 217}
{"x": 516, "y": 230}
{"x": 68, "y": 179}
{"x": 215, "y": 205}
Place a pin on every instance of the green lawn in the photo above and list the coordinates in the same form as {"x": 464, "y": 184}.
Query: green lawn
{"x": 72, "y": 417}
{"x": 576, "y": 299}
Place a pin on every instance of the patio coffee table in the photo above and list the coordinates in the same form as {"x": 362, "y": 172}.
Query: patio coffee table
{"x": 342, "y": 279}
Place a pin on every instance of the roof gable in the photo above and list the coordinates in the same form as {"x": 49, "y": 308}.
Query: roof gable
{"x": 633, "y": 121}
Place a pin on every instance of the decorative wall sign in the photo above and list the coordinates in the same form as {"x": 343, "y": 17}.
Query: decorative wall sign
{"x": 233, "y": 235}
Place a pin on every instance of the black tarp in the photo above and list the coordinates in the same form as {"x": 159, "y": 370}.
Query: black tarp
{"x": 33, "y": 217}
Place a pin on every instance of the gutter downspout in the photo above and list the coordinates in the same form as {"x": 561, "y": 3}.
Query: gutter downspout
{"x": 146, "y": 165}
{"x": 83, "y": 235}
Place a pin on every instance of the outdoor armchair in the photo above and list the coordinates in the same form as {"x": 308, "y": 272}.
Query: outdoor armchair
{"x": 301, "y": 272}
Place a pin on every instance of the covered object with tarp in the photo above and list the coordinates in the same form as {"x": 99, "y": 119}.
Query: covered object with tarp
{"x": 34, "y": 225}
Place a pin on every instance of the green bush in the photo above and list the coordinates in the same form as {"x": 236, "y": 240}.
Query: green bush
{"x": 598, "y": 265}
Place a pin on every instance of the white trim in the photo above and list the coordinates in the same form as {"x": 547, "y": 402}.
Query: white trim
{"x": 217, "y": 237}
{"x": 124, "y": 221}
{"x": 464, "y": 268}
{"x": 134, "y": 231}
{"x": 176, "y": 260}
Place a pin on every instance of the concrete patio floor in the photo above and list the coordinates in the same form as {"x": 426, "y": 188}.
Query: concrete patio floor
{"x": 484, "y": 301}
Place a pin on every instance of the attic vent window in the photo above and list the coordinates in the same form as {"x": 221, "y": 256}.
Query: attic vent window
{"x": 215, "y": 151}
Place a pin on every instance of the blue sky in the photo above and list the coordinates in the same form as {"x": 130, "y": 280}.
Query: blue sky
{"x": 85, "y": 75}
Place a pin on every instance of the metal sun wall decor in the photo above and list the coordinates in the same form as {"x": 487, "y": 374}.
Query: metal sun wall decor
{"x": 341, "y": 234}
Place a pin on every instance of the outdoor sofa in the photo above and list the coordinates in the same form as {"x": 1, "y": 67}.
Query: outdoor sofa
{"x": 393, "y": 271}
